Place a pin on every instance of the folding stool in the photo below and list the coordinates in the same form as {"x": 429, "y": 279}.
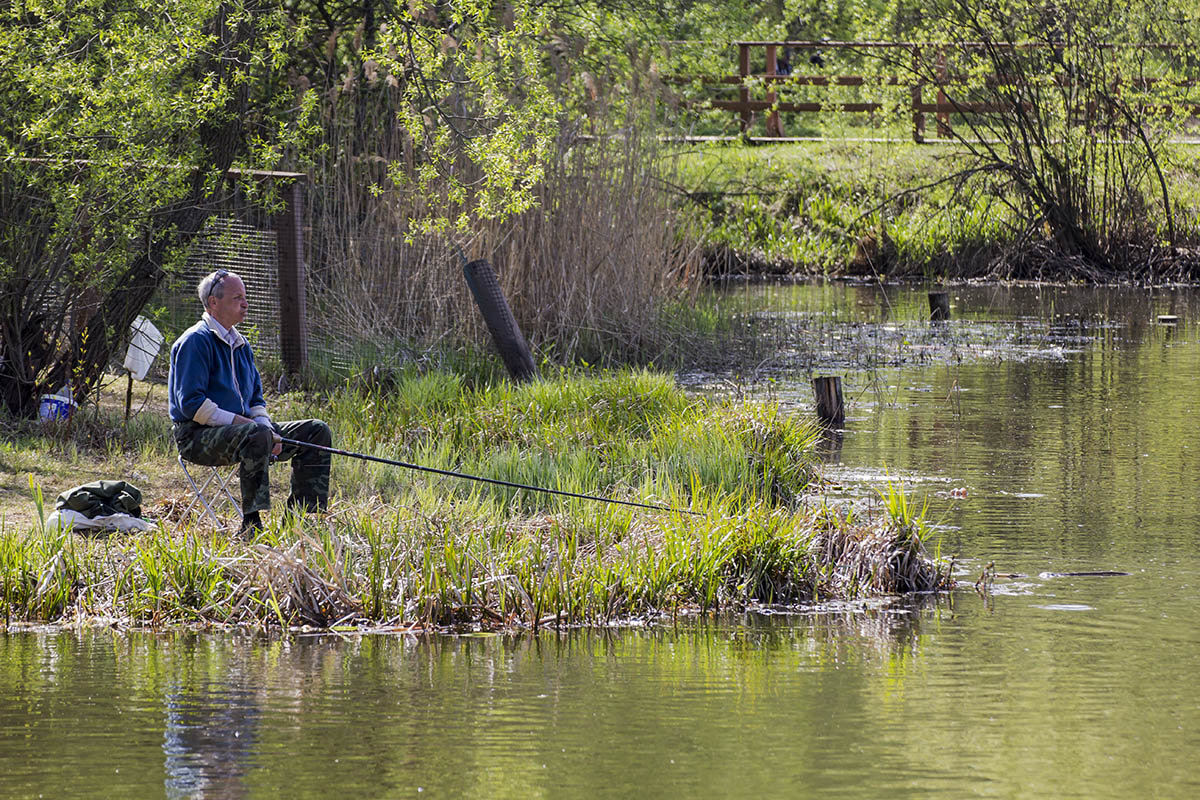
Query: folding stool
{"x": 221, "y": 488}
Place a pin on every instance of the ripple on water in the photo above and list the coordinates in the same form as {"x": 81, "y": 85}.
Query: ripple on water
{"x": 1014, "y": 589}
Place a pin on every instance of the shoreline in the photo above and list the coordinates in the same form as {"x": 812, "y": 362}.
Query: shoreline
{"x": 440, "y": 554}
{"x": 178, "y": 578}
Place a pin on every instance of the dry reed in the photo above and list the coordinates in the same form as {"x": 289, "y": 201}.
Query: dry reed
{"x": 588, "y": 271}
{"x": 281, "y": 582}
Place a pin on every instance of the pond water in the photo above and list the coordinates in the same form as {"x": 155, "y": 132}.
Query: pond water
{"x": 1051, "y": 431}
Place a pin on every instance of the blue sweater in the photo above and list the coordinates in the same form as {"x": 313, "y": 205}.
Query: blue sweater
{"x": 207, "y": 374}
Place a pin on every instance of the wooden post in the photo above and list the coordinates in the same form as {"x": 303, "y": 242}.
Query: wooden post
{"x": 744, "y": 90}
{"x": 293, "y": 309}
{"x": 939, "y": 306}
{"x": 831, "y": 410}
{"x": 943, "y": 117}
{"x": 128, "y": 394}
{"x": 773, "y": 126}
{"x": 918, "y": 116}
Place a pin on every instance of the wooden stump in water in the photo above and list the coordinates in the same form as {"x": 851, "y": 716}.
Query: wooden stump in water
{"x": 939, "y": 306}
{"x": 831, "y": 410}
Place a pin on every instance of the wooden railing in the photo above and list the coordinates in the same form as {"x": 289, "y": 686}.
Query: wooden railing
{"x": 939, "y": 79}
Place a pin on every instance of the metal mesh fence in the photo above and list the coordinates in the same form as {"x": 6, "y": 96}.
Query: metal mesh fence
{"x": 238, "y": 246}
{"x": 244, "y": 239}
{"x": 369, "y": 294}
{"x": 348, "y": 289}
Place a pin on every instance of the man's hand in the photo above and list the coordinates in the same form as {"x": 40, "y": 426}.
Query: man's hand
{"x": 238, "y": 419}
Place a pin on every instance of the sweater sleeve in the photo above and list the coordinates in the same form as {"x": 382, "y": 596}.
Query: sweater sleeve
{"x": 212, "y": 414}
{"x": 193, "y": 366}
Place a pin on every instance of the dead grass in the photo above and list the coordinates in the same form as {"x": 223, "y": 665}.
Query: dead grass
{"x": 281, "y": 581}
{"x": 588, "y": 273}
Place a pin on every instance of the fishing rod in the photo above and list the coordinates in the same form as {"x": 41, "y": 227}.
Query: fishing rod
{"x": 363, "y": 456}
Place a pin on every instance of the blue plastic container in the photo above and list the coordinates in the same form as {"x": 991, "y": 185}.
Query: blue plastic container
{"x": 55, "y": 407}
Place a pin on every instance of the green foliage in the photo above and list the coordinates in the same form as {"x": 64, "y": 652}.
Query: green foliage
{"x": 1070, "y": 165}
{"x": 811, "y": 207}
{"x": 120, "y": 126}
{"x": 630, "y": 434}
{"x": 471, "y": 85}
{"x": 908, "y": 519}
{"x": 1092, "y": 98}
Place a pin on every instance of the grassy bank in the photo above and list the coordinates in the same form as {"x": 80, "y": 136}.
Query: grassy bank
{"x": 405, "y": 550}
{"x": 888, "y": 208}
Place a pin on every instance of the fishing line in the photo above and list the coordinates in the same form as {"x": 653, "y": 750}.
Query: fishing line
{"x": 481, "y": 479}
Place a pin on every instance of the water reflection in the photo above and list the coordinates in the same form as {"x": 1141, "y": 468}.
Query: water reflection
{"x": 1085, "y": 455}
{"x": 829, "y": 445}
{"x": 782, "y": 328}
{"x": 211, "y": 733}
{"x": 239, "y": 716}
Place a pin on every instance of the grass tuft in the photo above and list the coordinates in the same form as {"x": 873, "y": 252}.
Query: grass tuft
{"x": 404, "y": 550}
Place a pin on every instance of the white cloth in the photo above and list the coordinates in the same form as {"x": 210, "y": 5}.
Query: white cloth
{"x": 65, "y": 518}
{"x": 143, "y": 347}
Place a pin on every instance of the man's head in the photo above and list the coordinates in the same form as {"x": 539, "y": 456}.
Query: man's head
{"x": 224, "y": 297}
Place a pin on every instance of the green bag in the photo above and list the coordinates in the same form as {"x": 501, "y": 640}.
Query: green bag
{"x": 102, "y": 498}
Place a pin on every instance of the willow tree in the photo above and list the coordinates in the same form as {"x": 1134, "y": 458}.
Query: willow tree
{"x": 120, "y": 126}
{"x": 1080, "y": 100}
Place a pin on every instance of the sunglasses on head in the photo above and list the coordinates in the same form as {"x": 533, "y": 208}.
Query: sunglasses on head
{"x": 218, "y": 276}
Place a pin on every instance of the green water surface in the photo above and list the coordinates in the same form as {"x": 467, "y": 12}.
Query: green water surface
{"x": 1067, "y": 418}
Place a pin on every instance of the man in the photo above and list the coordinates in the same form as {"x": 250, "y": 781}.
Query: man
{"x": 216, "y": 403}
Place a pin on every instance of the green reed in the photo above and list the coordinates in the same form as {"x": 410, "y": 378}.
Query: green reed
{"x": 400, "y": 548}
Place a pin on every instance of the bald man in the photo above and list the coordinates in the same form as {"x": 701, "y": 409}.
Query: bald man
{"x": 216, "y": 403}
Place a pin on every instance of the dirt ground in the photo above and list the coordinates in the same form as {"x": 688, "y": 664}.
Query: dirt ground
{"x": 93, "y": 446}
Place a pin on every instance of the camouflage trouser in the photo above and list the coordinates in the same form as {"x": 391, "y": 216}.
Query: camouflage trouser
{"x": 249, "y": 446}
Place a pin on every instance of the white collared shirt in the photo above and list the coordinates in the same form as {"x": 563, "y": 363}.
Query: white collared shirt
{"x": 233, "y": 338}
